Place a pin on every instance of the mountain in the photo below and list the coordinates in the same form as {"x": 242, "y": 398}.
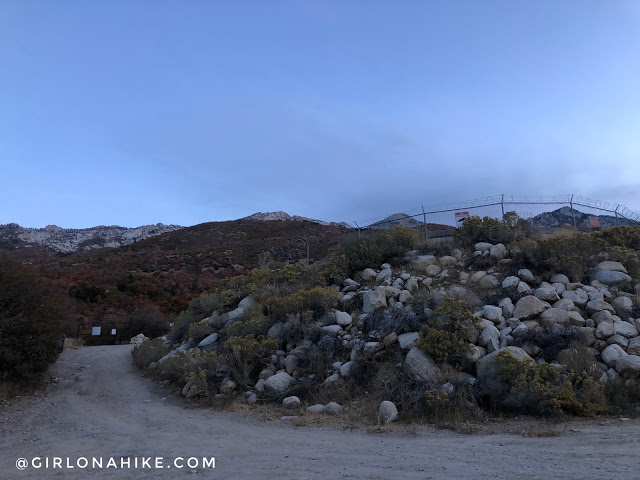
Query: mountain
{"x": 562, "y": 217}
{"x": 284, "y": 216}
{"x": 396, "y": 219}
{"x": 66, "y": 240}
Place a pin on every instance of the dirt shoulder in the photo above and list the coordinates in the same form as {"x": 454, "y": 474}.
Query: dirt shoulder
{"x": 103, "y": 407}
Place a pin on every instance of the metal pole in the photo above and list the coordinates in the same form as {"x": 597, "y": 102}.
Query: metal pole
{"x": 358, "y": 227}
{"x": 502, "y": 205}
{"x": 424, "y": 222}
{"x": 572, "y": 213}
{"x": 616, "y": 212}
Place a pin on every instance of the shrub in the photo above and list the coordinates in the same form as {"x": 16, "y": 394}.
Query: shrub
{"x": 180, "y": 329}
{"x": 150, "y": 321}
{"x": 149, "y": 351}
{"x": 31, "y": 324}
{"x": 254, "y": 323}
{"x": 542, "y": 390}
{"x": 314, "y": 299}
{"x": 199, "y": 330}
{"x": 245, "y": 356}
{"x": 487, "y": 229}
{"x": 445, "y": 337}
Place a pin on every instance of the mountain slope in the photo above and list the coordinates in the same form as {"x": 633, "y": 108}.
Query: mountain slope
{"x": 562, "y": 217}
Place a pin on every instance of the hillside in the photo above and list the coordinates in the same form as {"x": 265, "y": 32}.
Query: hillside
{"x": 562, "y": 217}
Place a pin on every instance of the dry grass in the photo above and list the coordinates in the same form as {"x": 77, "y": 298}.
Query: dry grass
{"x": 540, "y": 433}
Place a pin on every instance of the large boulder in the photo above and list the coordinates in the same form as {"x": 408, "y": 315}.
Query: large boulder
{"x": 247, "y": 303}
{"x": 554, "y": 316}
{"x": 487, "y": 370}
{"x": 634, "y": 346}
{"x": 424, "y": 260}
{"x": 560, "y": 278}
{"x": 368, "y": 274}
{"x": 628, "y": 366}
{"x": 384, "y": 275}
{"x": 492, "y": 313}
{"x": 611, "y": 278}
{"x": 499, "y": 251}
{"x": 623, "y": 306}
{"x": 489, "y": 282}
{"x": 526, "y": 275}
{"x": 609, "y": 266}
{"x": 373, "y": 299}
{"x": 343, "y": 318}
{"x": 278, "y": 383}
{"x": 547, "y": 294}
{"x": 612, "y": 354}
{"x": 490, "y": 338}
{"x": 529, "y": 307}
{"x": 421, "y": 367}
{"x": 208, "y": 340}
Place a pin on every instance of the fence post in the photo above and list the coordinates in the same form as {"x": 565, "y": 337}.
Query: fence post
{"x": 502, "y": 205}
{"x": 573, "y": 215}
{"x": 616, "y": 212}
{"x": 424, "y": 222}
{"x": 358, "y": 227}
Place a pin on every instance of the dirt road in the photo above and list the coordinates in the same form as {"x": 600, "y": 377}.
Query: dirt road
{"x": 102, "y": 407}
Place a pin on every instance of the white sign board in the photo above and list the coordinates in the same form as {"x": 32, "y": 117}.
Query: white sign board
{"x": 113, "y": 331}
{"x": 95, "y": 330}
{"x": 460, "y": 217}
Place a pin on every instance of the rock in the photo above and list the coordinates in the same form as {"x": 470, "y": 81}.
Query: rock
{"x": 594, "y": 306}
{"x": 609, "y": 266}
{"x": 235, "y": 314}
{"x": 424, "y": 260}
{"x": 387, "y": 412}
{"x": 316, "y": 409}
{"x": 208, "y": 340}
{"x": 612, "y": 354}
{"x": 576, "y": 319}
{"x": 279, "y": 382}
{"x": 384, "y": 275}
{"x": 405, "y": 296}
{"x": 618, "y": 340}
{"x": 475, "y": 278}
{"x": 554, "y": 316}
{"x": 343, "y": 318}
{"x": 138, "y": 339}
{"x": 390, "y": 339}
{"x": 510, "y": 283}
{"x": 560, "y": 288}
{"x": 546, "y": 294}
{"x": 368, "y": 274}
{"x": 526, "y": 275}
{"x": 634, "y": 346}
{"x": 523, "y": 288}
{"x": 420, "y": 366}
{"x": 626, "y": 329}
{"x": 332, "y": 408}
{"x": 373, "y": 299}
{"x": 489, "y": 338}
{"x": 487, "y": 370}
{"x": 331, "y": 330}
{"x": 564, "y": 304}
{"x": 247, "y": 303}
{"x": 488, "y": 282}
{"x": 560, "y": 278}
{"x": 473, "y": 354}
{"x": 628, "y": 366}
{"x": 483, "y": 246}
{"x": 433, "y": 270}
{"x": 345, "y": 369}
{"x": 260, "y": 385}
{"x": 228, "y": 386}
{"x": 578, "y": 297}
{"x": 605, "y": 330}
{"x": 492, "y": 313}
{"x": 448, "y": 261}
{"x": 611, "y": 278}
{"x": 499, "y": 251}
{"x": 408, "y": 340}
{"x": 411, "y": 285}
{"x": 251, "y": 398}
{"x": 623, "y": 306}
{"x": 528, "y": 307}
{"x": 291, "y": 402}
{"x": 332, "y": 379}
{"x": 520, "y": 331}
{"x": 370, "y": 348}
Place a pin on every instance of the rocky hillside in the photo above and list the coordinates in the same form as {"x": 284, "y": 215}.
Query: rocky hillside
{"x": 397, "y": 219}
{"x": 285, "y": 217}
{"x": 562, "y": 218}
{"x": 67, "y": 240}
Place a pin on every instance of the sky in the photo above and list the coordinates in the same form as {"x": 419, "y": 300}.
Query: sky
{"x": 187, "y": 111}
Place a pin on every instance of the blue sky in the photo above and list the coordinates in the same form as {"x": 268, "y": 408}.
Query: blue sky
{"x": 185, "y": 111}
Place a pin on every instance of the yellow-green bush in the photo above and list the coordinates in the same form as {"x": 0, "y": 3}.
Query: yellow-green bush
{"x": 487, "y": 229}
{"x": 541, "y": 389}
{"x": 199, "y": 330}
{"x": 312, "y": 299}
{"x": 149, "y": 351}
{"x": 246, "y": 355}
{"x": 253, "y": 323}
{"x": 445, "y": 336}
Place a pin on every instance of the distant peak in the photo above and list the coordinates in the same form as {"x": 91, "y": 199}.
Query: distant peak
{"x": 269, "y": 216}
